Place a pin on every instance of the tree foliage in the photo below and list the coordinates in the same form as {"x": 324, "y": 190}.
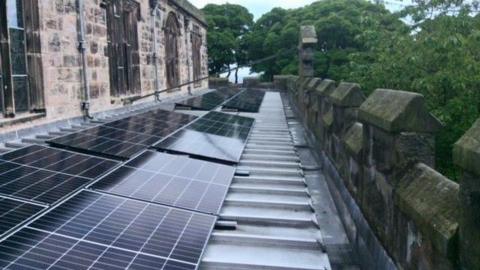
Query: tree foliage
{"x": 436, "y": 54}
{"x": 228, "y": 25}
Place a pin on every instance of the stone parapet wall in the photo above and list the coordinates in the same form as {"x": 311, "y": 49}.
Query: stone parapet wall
{"x": 381, "y": 148}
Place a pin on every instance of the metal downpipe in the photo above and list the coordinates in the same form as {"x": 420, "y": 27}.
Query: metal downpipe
{"x": 85, "y": 105}
{"x": 155, "y": 47}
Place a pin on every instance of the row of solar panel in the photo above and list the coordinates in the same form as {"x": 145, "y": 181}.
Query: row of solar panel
{"x": 140, "y": 225}
{"x": 249, "y": 100}
{"x": 124, "y": 138}
{"x": 149, "y": 190}
{"x": 210, "y": 100}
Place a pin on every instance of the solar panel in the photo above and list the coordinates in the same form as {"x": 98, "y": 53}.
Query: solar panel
{"x": 35, "y": 249}
{"x": 105, "y": 227}
{"x": 172, "y": 180}
{"x": 216, "y": 136}
{"x": 209, "y": 100}
{"x": 124, "y": 138}
{"x": 46, "y": 175}
{"x": 14, "y": 213}
{"x": 248, "y": 101}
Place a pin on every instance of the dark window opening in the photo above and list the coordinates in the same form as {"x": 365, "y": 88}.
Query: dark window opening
{"x": 196, "y": 55}
{"x": 172, "y": 31}
{"x": 21, "y": 83}
{"x": 123, "y": 51}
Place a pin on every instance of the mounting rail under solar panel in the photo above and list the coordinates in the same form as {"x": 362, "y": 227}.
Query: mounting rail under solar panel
{"x": 172, "y": 180}
{"x": 208, "y": 101}
{"x": 124, "y": 138}
{"x": 216, "y": 136}
{"x": 249, "y": 100}
{"x": 46, "y": 175}
{"x": 98, "y": 231}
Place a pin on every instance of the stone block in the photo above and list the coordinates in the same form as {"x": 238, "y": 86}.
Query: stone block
{"x": 397, "y": 111}
{"x": 431, "y": 201}
{"x": 347, "y": 95}
{"x": 353, "y": 141}
{"x": 466, "y": 152}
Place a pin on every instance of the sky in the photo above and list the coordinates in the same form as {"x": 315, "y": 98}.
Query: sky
{"x": 257, "y": 7}
{"x": 260, "y": 7}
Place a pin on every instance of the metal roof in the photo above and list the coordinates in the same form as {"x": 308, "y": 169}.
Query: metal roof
{"x": 276, "y": 216}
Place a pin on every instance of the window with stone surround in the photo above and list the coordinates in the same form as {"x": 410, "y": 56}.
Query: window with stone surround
{"x": 20, "y": 62}
{"x": 172, "y": 31}
{"x": 123, "y": 49}
{"x": 196, "y": 55}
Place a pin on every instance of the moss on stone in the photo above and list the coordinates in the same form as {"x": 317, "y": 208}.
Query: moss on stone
{"x": 325, "y": 87}
{"x": 353, "y": 139}
{"x": 314, "y": 83}
{"x": 431, "y": 201}
{"x": 327, "y": 118}
{"x": 466, "y": 152}
{"x": 398, "y": 111}
{"x": 347, "y": 95}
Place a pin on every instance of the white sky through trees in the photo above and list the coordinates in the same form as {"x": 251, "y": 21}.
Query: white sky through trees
{"x": 260, "y": 7}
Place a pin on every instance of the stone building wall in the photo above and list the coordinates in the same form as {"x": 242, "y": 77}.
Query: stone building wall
{"x": 62, "y": 65}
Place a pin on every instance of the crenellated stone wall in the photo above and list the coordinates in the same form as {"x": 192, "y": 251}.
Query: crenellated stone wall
{"x": 378, "y": 155}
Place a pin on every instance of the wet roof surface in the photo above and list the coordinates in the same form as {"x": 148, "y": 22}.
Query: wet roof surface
{"x": 159, "y": 210}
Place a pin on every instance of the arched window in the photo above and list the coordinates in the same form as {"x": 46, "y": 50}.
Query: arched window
{"x": 172, "y": 31}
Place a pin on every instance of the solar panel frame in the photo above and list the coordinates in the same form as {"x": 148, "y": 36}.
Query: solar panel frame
{"x": 113, "y": 221}
{"x": 124, "y": 138}
{"x": 177, "y": 181}
{"x": 216, "y": 136}
{"x": 249, "y": 100}
{"x": 45, "y": 175}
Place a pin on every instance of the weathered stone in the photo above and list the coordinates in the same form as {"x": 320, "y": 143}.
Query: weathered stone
{"x": 431, "y": 200}
{"x": 466, "y": 152}
{"x": 308, "y": 34}
{"x": 397, "y": 111}
{"x": 312, "y": 85}
{"x": 217, "y": 82}
{"x": 347, "y": 95}
{"x": 353, "y": 140}
{"x": 326, "y": 87}
{"x": 328, "y": 119}
{"x": 308, "y": 40}
{"x": 251, "y": 81}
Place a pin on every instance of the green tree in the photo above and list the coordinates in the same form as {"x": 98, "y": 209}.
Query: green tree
{"x": 228, "y": 26}
{"x": 340, "y": 25}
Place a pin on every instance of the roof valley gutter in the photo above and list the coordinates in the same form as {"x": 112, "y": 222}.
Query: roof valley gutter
{"x": 85, "y": 105}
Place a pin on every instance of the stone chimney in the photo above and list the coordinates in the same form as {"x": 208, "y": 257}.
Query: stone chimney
{"x": 308, "y": 42}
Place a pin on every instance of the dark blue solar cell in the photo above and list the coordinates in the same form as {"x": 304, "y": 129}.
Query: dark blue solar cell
{"x": 171, "y": 180}
{"x": 122, "y": 224}
{"x": 47, "y": 175}
{"x": 215, "y": 136}
{"x": 249, "y": 100}
{"x": 14, "y": 213}
{"x": 33, "y": 249}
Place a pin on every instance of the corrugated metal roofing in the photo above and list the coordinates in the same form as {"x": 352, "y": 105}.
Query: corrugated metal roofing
{"x": 276, "y": 227}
